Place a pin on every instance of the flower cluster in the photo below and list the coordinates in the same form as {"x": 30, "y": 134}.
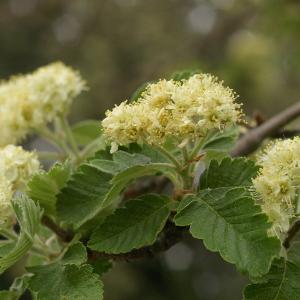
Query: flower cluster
{"x": 31, "y": 101}
{"x": 17, "y": 166}
{"x": 184, "y": 110}
{"x": 277, "y": 181}
{"x": 5, "y": 197}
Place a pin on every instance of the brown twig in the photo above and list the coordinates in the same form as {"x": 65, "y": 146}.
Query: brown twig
{"x": 251, "y": 140}
{"x": 64, "y": 235}
{"x": 291, "y": 234}
{"x": 169, "y": 237}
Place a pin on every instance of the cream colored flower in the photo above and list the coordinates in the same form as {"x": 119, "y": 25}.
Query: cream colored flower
{"x": 31, "y": 101}
{"x": 278, "y": 180}
{"x": 185, "y": 110}
{"x": 6, "y": 211}
{"x": 17, "y": 166}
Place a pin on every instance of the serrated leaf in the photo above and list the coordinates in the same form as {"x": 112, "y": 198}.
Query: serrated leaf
{"x": 44, "y": 187}
{"x": 101, "y": 266}
{"x": 82, "y": 197}
{"x": 59, "y": 282}
{"x": 228, "y": 173}
{"x": 28, "y": 216}
{"x": 134, "y": 226}
{"x": 76, "y": 254}
{"x": 229, "y": 222}
{"x": 87, "y": 131}
{"x": 281, "y": 283}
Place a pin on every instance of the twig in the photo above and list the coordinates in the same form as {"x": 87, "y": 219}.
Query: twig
{"x": 61, "y": 233}
{"x": 291, "y": 234}
{"x": 249, "y": 142}
{"x": 170, "y": 236}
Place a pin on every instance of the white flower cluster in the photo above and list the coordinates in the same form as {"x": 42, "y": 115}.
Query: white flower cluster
{"x": 278, "y": 180}
{"x": 187, "y": 109}
{"x": 17, "y": 166}
{"x": 31, "y": 101}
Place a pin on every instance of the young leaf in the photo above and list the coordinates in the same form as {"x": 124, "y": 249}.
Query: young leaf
{"x": 229, "y": 222}
{"x": 86, "y": 132}
{"x": 281, "y": 283}
{"x": 228, "y": 173}
{"x": 58, "y": 281}
{"x": 28, "y": 216}
{"x": 44, "y": 187}
{"x": 134, "y": 226}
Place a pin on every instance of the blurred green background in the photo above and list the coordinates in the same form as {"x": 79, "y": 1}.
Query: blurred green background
{"x": 253, "y": 45}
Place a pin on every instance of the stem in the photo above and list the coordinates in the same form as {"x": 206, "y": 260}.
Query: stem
{"x": 90, "y": 148}
{"x": 185, "y": 155}
{"x": 197, "y": 148}
{"x": 66, "y": 127}
{"x": 9, "y": 234}
{"x": 53, "y": 139}
{"x": 170, "y": 157}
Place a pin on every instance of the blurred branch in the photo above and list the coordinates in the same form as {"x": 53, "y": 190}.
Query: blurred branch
{"x": 251, "y": 140}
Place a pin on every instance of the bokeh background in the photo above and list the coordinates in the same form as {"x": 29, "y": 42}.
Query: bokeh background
{"x": 253, "y": 45}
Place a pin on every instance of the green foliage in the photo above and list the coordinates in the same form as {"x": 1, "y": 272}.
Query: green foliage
{"x": 86, "y": 132}
{"x": 69, "y": 278}
{"x": 28, "y": 215}
{"x": 82, "y": 197}
{"x": 225, "y": 216}
{"x": 134, "y": 226}
{"x": 229, "y": 222}
{"x": 228, "y": 173}
{"x": 44, "y": 187}
{"x": 70, "y": 281}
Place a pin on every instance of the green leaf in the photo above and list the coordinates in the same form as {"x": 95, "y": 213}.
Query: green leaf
{"x": 44, "y": 187}
{"x": 82, "y": 197}
{"x": 139, "y": 91}
{"x": 229, "y": 222}
{"x": 60, "y": 282}
{"x": 86, "y": 132}
{"x": 229, "y": 173}
{"x": 222, "y": 141}
{"x": 28, "y": 216}
{"x": 281, "y": 283}
{"x": 122, "y": 179}
{"x": 184, "y": 74}
{"x": 9, "y": 295}
{"x": 121, "y": 161}
{"x": 101, "y": 266}
{"x": 134, "y": 226}
{"x": 76, "y": 254}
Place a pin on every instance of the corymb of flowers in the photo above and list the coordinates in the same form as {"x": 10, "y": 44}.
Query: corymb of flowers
{"x": 184, "y": 110}
{"x": 278, "y": 182}
{"x": 29, "y": 102}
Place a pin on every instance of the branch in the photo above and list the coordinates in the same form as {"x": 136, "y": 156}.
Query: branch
{"x": 291, "y": 234}
{"x": 249, "y": 142}
{"x": 170, "y": 236}
{"x": 64, "y": 235}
